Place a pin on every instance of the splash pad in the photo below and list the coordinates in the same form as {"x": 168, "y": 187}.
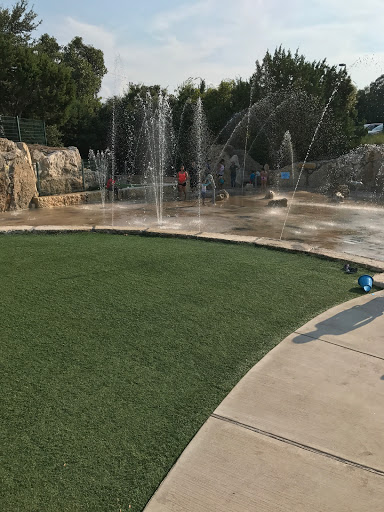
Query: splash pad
{"x": 354, "y": 227}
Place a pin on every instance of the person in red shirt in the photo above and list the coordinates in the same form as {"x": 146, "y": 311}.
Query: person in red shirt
{"x": 111, "y": 186}
{"x": 182, "y": 177}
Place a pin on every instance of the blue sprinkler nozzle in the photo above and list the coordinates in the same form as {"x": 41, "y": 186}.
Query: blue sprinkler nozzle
{"x": 366, "y": 282}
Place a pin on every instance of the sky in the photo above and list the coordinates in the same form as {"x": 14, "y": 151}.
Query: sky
{"x": 168, "y": 41}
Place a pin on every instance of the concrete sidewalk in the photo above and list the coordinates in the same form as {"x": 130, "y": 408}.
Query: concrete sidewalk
{"x": 302, "y": 431}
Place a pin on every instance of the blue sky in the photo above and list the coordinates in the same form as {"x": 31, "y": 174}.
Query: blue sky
{"x": 169, "y": 41}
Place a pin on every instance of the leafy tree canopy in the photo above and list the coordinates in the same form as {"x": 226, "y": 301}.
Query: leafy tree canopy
{"x": 41, "y": 79}
{"x": 32, "y": 85}
{"x": 370, "y": 102}
{"x": 87, "y": 64}
{"x": 48, "y": 45}
{"x": 18, "y": 22}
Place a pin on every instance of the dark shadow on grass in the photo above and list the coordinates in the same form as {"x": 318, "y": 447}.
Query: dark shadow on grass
{"x": 345, "y": 321}
{"x": 358, "y": 290}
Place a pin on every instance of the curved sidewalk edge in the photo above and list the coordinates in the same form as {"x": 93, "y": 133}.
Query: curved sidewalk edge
{"x": 302, "y": 431}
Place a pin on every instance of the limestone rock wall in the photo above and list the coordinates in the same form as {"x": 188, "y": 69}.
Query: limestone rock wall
{"x": 59, "y": 169}
{"x": 59, "y": 173}
{"x": 17, "y": 177}
{"x": 362, "y": 168}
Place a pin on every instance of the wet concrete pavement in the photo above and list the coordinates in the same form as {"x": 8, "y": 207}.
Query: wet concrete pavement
{"x": 354, "y": 227}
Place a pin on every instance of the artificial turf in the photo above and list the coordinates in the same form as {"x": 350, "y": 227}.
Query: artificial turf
{"x": 115, "y": 350}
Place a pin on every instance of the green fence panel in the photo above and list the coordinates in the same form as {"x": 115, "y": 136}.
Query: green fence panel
{"x": 8, "y": 128}
{"x": 18, "y": 129}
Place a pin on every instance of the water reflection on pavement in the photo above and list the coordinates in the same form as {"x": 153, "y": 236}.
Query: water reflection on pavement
{"x": 353, "y": 227}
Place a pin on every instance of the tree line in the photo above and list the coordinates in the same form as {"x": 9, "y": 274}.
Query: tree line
{"x": 61, "y": 84}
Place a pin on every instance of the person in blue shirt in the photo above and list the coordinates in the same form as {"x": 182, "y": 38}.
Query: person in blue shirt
{"x": 204, "y": 184}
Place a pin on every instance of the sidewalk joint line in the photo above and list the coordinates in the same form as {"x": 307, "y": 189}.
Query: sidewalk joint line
{"x": 299, "y": 445}
{"x": 337, "y": 345}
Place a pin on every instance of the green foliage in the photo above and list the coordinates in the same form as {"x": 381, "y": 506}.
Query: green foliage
{"x": 54, "y": 136}
{"x": 18, "y": 22}
{"x": 373, "y": 139}
{"x": 219, "y": 103}
{"x": 286, "y": 71}
{"x": 87, "y": 70}
{"x": 129, "y": 116}
{"x": 61, "y": 84}
{"x": 87, "y": 65}
{"x": 44, "y": 80}
{"x": 83, "y": 125}
{"x": 284, "y": 75}
{"x": 48, "y": 45}
{"x": 370, "y": 102}
{"x": 32, "y": 85}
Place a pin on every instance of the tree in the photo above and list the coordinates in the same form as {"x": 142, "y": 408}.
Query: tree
{"x": 87, "y": 71}
{"x": 87, "y": 65}
{"x": 32, "y": 85}
{"x": 18, "y": 22}
{"x": 285, "y": 74}
{"x": 370, "y": 102}
{"x": 44, "y": 80}
{"x": 48, "y": 45}
{"x": 218, "y": 104}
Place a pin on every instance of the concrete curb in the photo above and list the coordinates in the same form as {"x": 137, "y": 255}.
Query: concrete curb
{"x": 268, "y": 243}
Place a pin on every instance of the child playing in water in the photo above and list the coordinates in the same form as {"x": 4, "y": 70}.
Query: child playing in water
{"x": 204, "y": 185}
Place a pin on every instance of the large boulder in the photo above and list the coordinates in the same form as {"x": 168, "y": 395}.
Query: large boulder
{"x": 17, "y": 177}
{"x": 59, "y": 169}
{"x": 222, "y": 195}
{"x": 362, "y": 166}
{"x": 224, "y": 192}
{"x": 360, "y": 169}
{"x": 279, "y": 203}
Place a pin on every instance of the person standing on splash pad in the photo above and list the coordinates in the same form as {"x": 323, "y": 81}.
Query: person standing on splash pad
{"x": 264, "y": 177}
{"x": 182, "y": 177}
{"x": 112, "y": 187}
{"x": 220, "y": 173}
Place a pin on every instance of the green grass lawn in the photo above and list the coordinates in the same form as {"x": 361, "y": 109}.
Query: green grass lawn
{"x": 115, "y": 350}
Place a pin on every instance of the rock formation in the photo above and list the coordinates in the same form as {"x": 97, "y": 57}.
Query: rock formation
{"x": 17, "y": 177}
{"x": 59, "y": 169}
{"x": 279, "y": 203}
{"x": 59, "y": 173}
{"x": 360, "y": 169}
{"x": 221, "y": 195}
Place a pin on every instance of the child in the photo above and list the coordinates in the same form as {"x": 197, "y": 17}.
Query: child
{"x": 182, "y": 177}
{"x": 220, "y": 173}
{"x": 204, "y": 185}
{"x": 112, "y": 187}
